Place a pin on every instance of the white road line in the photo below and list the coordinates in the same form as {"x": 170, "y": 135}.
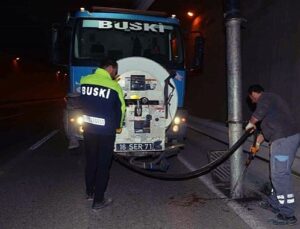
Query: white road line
{"x": 243, "y": 213}
{"x": 43, "y": 140}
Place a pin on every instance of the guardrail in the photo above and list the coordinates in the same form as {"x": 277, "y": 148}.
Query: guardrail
{"x": 219, "y": 131}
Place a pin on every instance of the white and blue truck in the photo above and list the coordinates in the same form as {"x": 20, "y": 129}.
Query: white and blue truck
{"x": 149, "y": 49}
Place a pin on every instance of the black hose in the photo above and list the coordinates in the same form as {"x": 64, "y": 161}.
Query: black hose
{"x": 189, "y": 175}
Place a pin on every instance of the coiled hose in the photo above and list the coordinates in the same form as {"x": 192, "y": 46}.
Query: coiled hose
{"x": 189, "y": 175}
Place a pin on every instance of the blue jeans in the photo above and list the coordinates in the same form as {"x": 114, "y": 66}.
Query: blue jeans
{"x": 282, "y": 155}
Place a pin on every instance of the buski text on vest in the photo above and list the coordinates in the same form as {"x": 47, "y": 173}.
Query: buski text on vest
{"x": 95, "y": 91}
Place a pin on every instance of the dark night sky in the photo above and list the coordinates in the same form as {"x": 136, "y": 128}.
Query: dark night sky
{"x": 26, "y": 24}
{"x": 37, "y": 12}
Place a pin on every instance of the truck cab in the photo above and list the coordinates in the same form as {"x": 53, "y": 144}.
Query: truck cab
{"x": 136, "y": 39}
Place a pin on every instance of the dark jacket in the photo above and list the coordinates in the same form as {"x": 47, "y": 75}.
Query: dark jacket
{"x": 102, "y": 103}
{"x": 276, "y": 116}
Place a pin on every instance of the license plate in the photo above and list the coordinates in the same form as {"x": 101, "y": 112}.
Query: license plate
{"x": 134, "y": 147}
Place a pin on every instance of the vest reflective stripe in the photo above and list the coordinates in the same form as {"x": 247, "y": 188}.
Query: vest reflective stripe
{"x": 94, "y": 120}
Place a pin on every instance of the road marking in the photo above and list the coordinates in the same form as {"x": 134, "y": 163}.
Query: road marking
{"x": 43, "y": 140}
{"x": 243, "y": 213}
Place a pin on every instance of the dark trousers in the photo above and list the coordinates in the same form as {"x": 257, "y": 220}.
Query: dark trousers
{"x": 98, "y": 150}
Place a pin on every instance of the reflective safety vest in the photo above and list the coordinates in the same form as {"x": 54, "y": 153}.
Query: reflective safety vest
{"x": 102, "y": 102}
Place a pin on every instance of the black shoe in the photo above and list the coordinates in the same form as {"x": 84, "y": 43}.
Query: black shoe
{"x": 102, "y": 204}
{"x": 266, "y": 205}
{"x": 284, "y": 220}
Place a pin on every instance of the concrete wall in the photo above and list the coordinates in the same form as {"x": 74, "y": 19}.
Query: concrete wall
{"x": 206, "y": 90}
{"x": 270, "y": 56}
{"x": 270, "y": 52}
{"x": 271, "y": 48}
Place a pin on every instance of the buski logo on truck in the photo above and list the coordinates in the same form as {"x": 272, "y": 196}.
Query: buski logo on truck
{"x": 125, "y": 25}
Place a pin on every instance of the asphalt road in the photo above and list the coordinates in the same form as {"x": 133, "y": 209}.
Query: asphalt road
{"x": 31, "y": 101}
{"x": 26, "y": 122}
{"x": 44, "y": 188}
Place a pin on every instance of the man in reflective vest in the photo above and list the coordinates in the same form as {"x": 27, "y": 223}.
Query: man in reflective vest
{"x": 103, "y": 107}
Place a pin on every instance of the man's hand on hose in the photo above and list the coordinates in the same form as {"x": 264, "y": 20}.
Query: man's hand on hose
{"x": 250, "y": 127}
{"x": 119, "y": 130}
{"x": 256, "y": 145}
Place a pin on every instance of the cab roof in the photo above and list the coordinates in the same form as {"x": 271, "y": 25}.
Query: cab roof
{"x": 125, "y": 14}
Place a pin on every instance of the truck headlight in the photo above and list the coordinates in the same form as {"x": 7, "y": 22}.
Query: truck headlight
{"x": 175, "y": 128}
{"x": 81, "y": 129}
{"x": 79, "y": 120}
{"x": 177, "y": 120}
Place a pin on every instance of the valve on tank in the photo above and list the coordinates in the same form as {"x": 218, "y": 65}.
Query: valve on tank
{"x": 138, "y": 109}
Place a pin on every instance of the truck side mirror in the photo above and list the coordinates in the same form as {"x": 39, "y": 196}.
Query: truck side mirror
{"x": 197, "y": 59}
{"x": 60, "y": 44}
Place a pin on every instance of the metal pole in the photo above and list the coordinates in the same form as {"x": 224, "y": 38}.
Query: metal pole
{"x": 234, "y": 87}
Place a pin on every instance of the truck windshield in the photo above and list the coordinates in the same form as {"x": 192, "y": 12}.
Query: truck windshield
{"x": 97, "y": 39}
